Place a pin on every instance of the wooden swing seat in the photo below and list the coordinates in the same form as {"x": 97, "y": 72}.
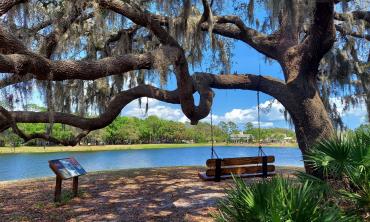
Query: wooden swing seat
{"x": 257, "y": 166}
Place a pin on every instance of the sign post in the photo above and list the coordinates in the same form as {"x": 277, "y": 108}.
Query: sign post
{"x": 65, "y": 169}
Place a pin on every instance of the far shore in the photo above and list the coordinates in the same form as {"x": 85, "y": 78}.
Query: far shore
{"x": 94, "y": 148}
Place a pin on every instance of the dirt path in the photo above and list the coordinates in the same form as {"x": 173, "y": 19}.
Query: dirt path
{"x": 161, "y": 194}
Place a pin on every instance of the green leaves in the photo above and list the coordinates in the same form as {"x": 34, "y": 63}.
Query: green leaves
{"x": 345, "y": 162}
{"x": 277, "y": 200}
{"x": 341, "y": 156}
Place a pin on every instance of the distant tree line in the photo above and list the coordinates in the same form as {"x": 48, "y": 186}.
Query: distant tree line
{"x": 132, "y": 130}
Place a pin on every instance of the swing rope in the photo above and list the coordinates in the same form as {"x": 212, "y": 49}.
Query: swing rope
{"x": 261, "y": 153}
{"x": 213, "y": 152}
{"x": 260, "y": 150}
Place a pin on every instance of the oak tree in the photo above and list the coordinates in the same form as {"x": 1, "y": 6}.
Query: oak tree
{"x": 90, "y": 58}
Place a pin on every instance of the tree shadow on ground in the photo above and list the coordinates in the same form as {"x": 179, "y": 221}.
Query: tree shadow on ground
{"x": 161, "y": 194}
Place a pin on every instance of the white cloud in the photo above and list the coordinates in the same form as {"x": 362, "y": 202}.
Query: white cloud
{"x": 156, "y": 108}
{"x": 271, "y": 111}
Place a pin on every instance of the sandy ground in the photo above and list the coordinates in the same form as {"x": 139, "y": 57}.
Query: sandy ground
{"x": 160, "y": 194}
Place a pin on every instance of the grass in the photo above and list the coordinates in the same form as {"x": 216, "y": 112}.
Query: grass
{"x": 51, "y": 149}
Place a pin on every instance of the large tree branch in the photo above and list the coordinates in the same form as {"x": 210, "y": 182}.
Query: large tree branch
{"x": 357, "y": 15}
{"x": 6, "y": 5}
{"x": 352, "y": 33}
{"x": 66, "y": 142}
{"x": 184, "y": 83}
{"x": 44, "y": 69}
{"x": 61, "y": 27}
{"x": 141, "y": 18}
{"x": 114, "y": 108}
{"x": 266, "y": 84}
{"x": 234, "y": 27}
{"x": 202, "y": 81}
{"x": 321, "y": 35}
{"x": 130, "y": 32}
{"x": 14, "y": 79}
{"x": 9, "y": 44}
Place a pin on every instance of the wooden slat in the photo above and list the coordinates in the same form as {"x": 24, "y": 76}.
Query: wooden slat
{"x": 239, "y": 161}
{"x": 241, "y": 170}
{"x": 203, "y": 176}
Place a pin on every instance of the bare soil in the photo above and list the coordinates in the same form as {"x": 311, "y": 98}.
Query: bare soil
{"x": 160, "y": 194}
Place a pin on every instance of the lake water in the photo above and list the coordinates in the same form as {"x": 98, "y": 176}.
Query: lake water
{"x": 24, "y": 166}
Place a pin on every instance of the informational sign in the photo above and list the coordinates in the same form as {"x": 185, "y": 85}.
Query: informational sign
{"x": 66, "y": 168}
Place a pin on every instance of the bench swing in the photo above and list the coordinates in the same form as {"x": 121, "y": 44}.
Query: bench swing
{"x": 253, "y": 166}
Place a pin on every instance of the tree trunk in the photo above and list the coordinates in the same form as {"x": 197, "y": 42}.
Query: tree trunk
{"x": 312, "y": 125}
{"x": 311, "y": 120}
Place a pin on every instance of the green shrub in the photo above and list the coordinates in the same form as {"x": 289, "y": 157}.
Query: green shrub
{"x": 278, "y": 200}
{"x": 345, "y": 164}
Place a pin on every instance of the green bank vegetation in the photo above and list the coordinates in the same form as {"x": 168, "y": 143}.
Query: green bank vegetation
{"x": 151, "y": 130}
{"x": 94, "y": 148}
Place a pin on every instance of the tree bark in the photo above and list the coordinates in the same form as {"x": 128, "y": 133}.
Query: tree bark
{"x": 311, "y": 122}
{"x": 6, "y": 5}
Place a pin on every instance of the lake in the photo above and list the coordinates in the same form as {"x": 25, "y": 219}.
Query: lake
{"x": 25, "y": 166}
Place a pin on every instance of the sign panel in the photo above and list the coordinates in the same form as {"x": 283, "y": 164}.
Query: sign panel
{"x": 66, "y": 168}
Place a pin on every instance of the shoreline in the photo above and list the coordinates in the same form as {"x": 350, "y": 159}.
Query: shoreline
{"x": 117, "y": 171}
{"x": 94, "y": 148}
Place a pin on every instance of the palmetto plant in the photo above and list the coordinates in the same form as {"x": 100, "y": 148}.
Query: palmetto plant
{"x": 345, "y": 160}
{"x": 343, "y": 156}
{"x": 277, "y": 200}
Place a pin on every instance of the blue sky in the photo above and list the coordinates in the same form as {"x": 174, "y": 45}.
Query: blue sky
{"x": 239, "y": 106}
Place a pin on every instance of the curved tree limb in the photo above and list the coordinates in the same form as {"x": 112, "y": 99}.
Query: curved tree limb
{"x": 6, "y": 5}
{"x": 9, "y": 44}
{"x": 61, "y": 27}
{"x": 364, "y": 15}
{"x": 184, "y": 83}
{"x": 86, "y": 70}
{"x": 234, "y": 27}
{"x": 266, "y": 84}
{"x": 14, "y": 79}
{"x": 352, "y": 33}
{"x": 321, "y": 35}
{"x": 130, "y": 32}
{"x": 67, "y": 142}
{"x": 114, "y": 108}
{"x": 203, "y": 83}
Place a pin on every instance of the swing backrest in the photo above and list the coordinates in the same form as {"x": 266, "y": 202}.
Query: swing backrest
{"x": 241, "y": 166}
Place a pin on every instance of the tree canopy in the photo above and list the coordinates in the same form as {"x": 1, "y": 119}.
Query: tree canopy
{"x": 89, "y": 59}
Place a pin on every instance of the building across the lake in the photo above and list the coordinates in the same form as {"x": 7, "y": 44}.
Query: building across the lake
{"x": 241, "y": 137}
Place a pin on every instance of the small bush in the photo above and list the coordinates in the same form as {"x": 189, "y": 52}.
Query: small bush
{"x": 278, "y": 200}
{"x": 345, "y": 164}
